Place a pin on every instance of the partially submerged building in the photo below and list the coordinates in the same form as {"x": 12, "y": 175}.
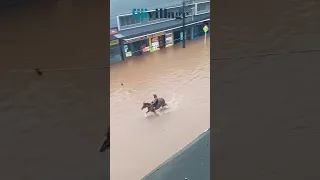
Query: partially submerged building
{"x": 134, "y": 37}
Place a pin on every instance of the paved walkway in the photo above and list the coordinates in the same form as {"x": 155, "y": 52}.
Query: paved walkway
{"x": 191, "y": 163}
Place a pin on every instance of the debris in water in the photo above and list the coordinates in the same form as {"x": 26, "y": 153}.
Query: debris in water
{"x": 38, "y": 71}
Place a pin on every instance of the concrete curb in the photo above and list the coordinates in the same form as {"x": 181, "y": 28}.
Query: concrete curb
{"x": 153, "y": 174}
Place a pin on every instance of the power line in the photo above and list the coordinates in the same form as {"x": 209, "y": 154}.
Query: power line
{"x": 267, "y": 54}
{"x": 59, "y": 69}
{"x": 214, "y": 59}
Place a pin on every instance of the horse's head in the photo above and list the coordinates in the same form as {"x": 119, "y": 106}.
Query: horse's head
{"x": 144, "y": 105}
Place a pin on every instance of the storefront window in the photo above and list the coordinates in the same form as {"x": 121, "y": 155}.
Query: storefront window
{"x": 127, "y": 51}
{"x": 155, "y": 43}
{"x": 128, "y": 20}
{"x": 169, "y": 39}
{"x": 203, "y": 7}
{"x": 136, "y": 46}
{"x": 145, "y": 46}
{"x": 177, "y": 36}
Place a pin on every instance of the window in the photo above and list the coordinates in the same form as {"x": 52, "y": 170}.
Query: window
{"x": 127, "y": 20}
{"x": 203, "y": 7}
{"x": 189, "y": 10}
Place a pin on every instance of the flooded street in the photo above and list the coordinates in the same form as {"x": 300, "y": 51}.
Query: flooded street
{"x": 182, "y": 77}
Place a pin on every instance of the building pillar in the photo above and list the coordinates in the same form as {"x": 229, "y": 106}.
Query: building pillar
{"x": 192, "y": 30}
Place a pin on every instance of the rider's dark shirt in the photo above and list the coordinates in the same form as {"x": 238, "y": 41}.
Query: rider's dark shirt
{"x": 154, "y": 102}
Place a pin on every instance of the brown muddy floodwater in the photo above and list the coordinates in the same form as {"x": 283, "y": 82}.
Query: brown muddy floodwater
{"x": 182, "y": 77}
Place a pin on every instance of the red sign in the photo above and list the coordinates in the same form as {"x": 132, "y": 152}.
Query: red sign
{"x": 113, "y": 31}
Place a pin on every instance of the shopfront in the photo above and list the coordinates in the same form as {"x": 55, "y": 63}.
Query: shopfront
{"x": 198, "y": 29}
{"x": 169, "y": 38}
{"x": 115, "y": 49}
{"x": 157, "y": 41}
{"x": 115, "y": 54}
{"x": 188, "y": 32}
{"x": 178, "y": 34}
{"x": 136, "y": 46}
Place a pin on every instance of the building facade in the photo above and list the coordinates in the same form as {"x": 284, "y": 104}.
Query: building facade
{"x": 138, "y": 37}
{"x": 115, "y": 47}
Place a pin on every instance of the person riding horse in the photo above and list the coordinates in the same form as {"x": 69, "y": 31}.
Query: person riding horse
{"x": 155, "y": 101}
{"x": 154, "y": 105}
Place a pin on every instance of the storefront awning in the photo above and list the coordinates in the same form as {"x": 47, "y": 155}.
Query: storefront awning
{"x": 159, "y": 27}
{"x": 167, "y": 29}
{"x": 118, "y": 36}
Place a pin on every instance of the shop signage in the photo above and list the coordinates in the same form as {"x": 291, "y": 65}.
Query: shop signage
{"x": 205, "y": 28}
{"x": 128, "y": 41}
{"x": 114, "y": 42}
{"x": 169, "y": 39}
{"x": 157, "y": 34}
{"x": 146, "y": 49}
{"x": 154, "y": 44}
{"x": 126, "y": 50}
{"x": 113, "y": 31}
{"x": 128, "y": 54}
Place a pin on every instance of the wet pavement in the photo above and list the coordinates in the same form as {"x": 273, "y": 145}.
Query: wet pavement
{"x": 190, "y": 163}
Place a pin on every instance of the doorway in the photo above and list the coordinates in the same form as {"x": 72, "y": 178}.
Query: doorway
{"x": 161, "y": 40}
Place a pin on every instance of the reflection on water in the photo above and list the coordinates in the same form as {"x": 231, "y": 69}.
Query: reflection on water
{"x": 182, "y": 78}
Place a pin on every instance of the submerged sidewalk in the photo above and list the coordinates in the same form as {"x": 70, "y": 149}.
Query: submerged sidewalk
{"x": 191, "y": 163}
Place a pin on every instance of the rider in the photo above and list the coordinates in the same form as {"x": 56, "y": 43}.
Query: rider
{"x": 155, "y": 101}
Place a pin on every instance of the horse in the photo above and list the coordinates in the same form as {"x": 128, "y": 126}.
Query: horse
{"x": 151, "y": 108}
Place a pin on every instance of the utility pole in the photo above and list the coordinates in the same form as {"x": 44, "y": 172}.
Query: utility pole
{"x": 183, "y": 24}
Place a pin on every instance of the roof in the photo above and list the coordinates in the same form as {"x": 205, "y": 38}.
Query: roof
{"x": 160, "y": 26}
{"x": 192, "y": 162}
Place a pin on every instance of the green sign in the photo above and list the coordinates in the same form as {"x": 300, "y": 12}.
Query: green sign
{"x": 205, "y": 28}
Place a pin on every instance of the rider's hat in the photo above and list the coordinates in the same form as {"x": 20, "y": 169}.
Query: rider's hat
{"x": 154, "y": 95}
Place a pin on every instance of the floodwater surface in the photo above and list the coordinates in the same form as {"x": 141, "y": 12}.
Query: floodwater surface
{"x": 140, "y": 143}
